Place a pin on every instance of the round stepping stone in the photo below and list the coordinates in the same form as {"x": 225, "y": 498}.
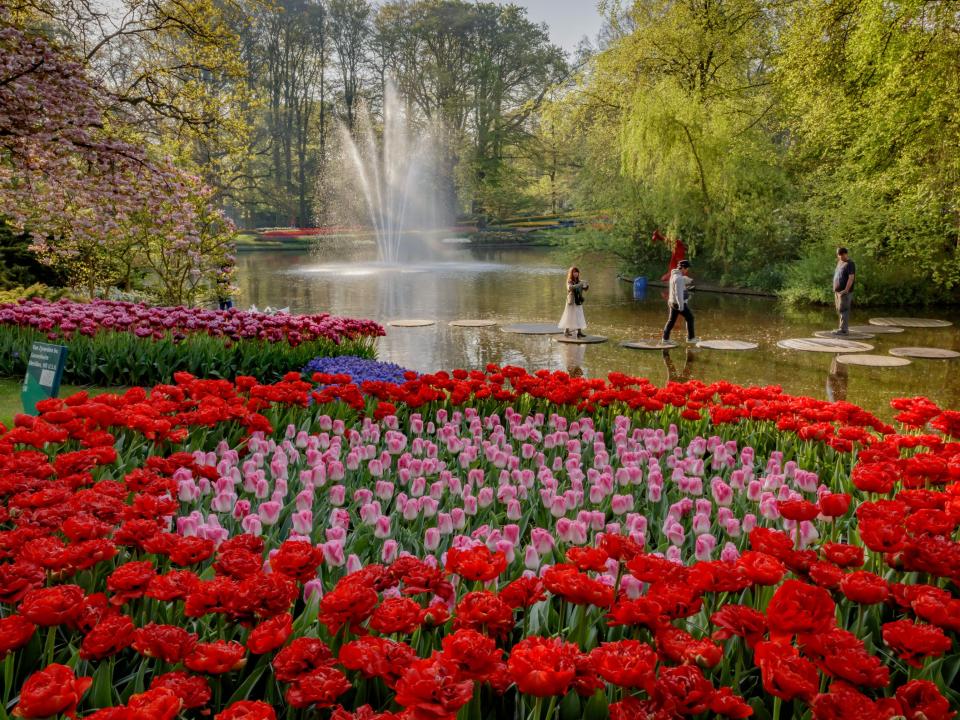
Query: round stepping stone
{"x": 472, "y": 323}
{"x": 588, "y": 340}
{"x": 927, "y": 353}
{"x": 532, "y": 329}
{"x": 876, "y": 329}
{"x": 873, "y": 360}
{"x": 827, "y": 345}
{"x": 910, "y": 322}
{"x": 411, "y": 323}
{"x": 727, "y": 345}
{"x": 852, "y": 335}
{"x": 649, "y": 344}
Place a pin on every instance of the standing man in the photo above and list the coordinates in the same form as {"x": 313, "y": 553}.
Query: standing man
{"x": 843, "y": 279}
{"x": 677, "y": 301}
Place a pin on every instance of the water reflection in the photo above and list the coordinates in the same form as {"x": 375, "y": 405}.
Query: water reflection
{"x": 574, "y": 357}
{"x": 686, "y": 369}
{"x": 837, "y": 381}
{"x": 527, "y": 285}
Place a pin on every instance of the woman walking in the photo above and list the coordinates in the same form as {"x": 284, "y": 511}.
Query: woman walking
{"x": 678, "y": 301}
{"x": 572, "y": 321}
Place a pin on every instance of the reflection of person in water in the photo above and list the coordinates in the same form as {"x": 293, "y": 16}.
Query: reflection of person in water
{"x": 837, "y": 381}
{"x": 684, "y": 374}
{"x": 573, "y": 358}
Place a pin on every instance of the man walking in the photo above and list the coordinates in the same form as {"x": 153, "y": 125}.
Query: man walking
{"x": 843, "y": 279}
{"x": 677, "y": 301}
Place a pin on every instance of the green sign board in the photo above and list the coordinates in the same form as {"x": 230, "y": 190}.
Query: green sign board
{"x": 43, "y": 374}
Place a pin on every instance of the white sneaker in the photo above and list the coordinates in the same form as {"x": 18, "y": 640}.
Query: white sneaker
{"x": 693, "y": 340}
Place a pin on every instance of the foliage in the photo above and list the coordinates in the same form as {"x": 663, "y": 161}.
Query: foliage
{"x": 874, "y": 104}
{"x": 761, "y": 132}
{"x": 94, "y": 202}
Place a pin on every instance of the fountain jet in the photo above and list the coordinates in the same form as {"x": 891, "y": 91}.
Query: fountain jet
{"x": 396, "y": 180}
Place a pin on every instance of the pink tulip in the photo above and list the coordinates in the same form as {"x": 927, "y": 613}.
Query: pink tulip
{"x": 729, "y": 554}
{"x": 531, "y": 558}
{"x": 722, "y": 493}
{"x": 621, "y": 504}
{"x": 302, "y": 522}
{"x": 431, "y": 539}
{"x": 675, "y": 533}
{"x": 704, "y": 547}
{"x": 542, "y": 540}
{"x": 241, "y": 509}
{"x": 312, "y": 591}
{"x": 333, "y": 553}
{"x": 748, "y": 523}
{"x": 354, "y": 564}
{"x": 382, "y": 528}
{"x": 251, "y": 525}
{"x": 339, "y": 518}
{"x": 269, "y": 512}
{"x": 444, "y": 523}
{"x": 337, "y": 495}
{"x": 428, "y": 506}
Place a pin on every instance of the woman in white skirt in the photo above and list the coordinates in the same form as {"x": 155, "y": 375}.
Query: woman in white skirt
{"x": 572, "y": 319}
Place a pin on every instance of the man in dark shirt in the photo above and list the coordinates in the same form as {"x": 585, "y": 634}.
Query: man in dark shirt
{"x": 843, "y": 279}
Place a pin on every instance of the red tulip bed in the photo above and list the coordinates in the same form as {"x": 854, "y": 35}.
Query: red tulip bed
{"x": 493, "y": 544}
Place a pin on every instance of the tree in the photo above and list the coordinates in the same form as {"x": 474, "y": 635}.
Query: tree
{"x": 873, "y": 96}
{"x": 686, "y": 97}
{"x": 349, "y": 31}
{"x": 67, "y": 175}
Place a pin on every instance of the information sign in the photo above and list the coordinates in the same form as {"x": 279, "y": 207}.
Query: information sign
{"x": 44, "y": 371}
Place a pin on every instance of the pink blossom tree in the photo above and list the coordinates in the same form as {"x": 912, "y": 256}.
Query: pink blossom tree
{"x": 90, "y": 198}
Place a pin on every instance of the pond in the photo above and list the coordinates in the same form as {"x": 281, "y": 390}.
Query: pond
{"x": 526, "y": 284}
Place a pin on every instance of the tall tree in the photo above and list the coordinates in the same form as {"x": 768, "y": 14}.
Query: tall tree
{"x": 349, "y": 33}
{"x": 873, "y": 94}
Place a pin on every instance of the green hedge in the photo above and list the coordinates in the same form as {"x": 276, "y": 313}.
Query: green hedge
{"x": 122, "y": 358}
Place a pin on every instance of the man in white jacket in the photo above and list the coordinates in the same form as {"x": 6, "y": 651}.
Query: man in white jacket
{"x": 677, "y": 301}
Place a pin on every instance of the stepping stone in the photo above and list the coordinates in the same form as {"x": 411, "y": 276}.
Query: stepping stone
{"x": 852, "y": 335}
{"x": 910, "y": 322}
{"x": 876, "y": 329}
{"x": 588, "y": 340}
{"x": 873, "y": 360}
{"x": 727, "y": 345}
{"x": 649, "y": 345}
{"x": 928, "y": 353}
{"x": 826, "y": 345}
{"x": 532, "y": 329}
{"x": 472, "y": 323}
{"x": 411, "y": 323}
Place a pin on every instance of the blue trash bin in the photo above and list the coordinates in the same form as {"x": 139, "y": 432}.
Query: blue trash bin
{"x": 640, "y": 287}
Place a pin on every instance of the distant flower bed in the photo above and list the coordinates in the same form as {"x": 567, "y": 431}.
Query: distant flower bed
{"x": 359, "y": 370}
{"x": 310, "y": 232}
{"x": 125, "y": 343}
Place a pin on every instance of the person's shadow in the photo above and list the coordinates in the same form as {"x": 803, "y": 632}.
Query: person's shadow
{"x": 683, "y": 375}
{"x": 837, "y": 381}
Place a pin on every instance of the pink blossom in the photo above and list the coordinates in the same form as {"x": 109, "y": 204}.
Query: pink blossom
{"x": 269, "y": 512}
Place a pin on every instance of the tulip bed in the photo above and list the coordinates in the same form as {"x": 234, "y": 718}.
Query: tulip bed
{"x": 478, "y": 545}
{"x": 122, "y": 343}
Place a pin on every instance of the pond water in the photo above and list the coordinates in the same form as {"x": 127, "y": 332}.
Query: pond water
{"x": 527, "y": 285}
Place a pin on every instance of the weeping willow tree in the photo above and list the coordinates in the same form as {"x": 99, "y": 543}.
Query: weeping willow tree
{"x": 699, "y": 129}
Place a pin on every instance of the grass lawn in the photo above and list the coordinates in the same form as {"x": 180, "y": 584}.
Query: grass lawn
{"x": 10, "y": 403}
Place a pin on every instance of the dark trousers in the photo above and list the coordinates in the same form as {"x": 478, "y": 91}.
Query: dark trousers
{"x": 675, "y": 312}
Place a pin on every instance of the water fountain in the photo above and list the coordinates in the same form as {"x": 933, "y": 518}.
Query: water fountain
{"x": 397, "y": 180}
